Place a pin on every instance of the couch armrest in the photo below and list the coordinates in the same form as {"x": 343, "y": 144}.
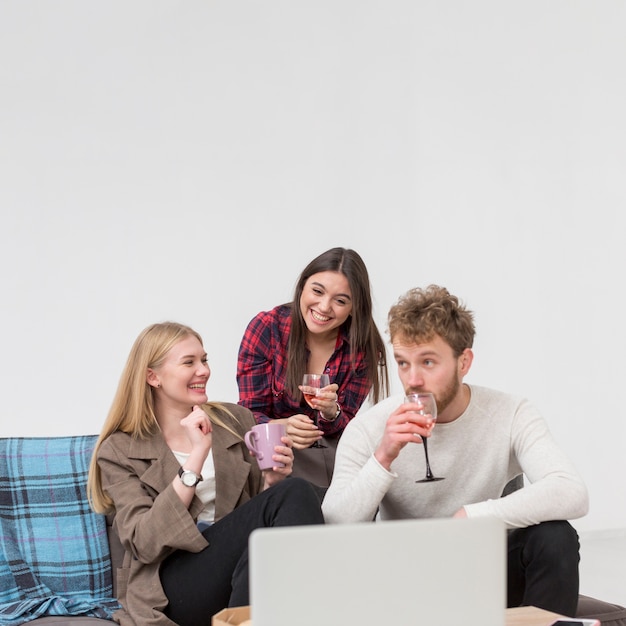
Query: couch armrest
{"x": 117, "y": 552}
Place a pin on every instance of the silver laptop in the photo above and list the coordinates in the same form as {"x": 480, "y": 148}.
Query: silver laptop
{"x": 434, "y": 572}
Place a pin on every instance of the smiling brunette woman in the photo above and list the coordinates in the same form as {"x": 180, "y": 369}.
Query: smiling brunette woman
{"x": 328, "y": 328}
{"x": 174, "y": 471}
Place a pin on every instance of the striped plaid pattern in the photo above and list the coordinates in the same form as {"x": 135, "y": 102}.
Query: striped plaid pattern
{"x": 54, "y": 553}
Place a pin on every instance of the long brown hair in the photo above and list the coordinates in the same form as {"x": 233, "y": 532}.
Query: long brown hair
{"x": 363, "y": 334}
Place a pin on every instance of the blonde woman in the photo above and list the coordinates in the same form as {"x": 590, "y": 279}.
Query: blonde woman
{"x": 185, "y": 493}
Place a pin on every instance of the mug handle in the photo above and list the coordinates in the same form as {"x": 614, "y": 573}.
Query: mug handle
{"x": 249, "y": 437}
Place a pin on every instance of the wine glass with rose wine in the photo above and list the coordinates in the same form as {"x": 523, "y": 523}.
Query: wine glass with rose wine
{"x": 429, "y": 407}
{"x": 311, "y": 386}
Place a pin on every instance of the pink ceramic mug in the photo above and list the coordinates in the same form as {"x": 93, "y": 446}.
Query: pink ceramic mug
{"x": 262, "y": 439}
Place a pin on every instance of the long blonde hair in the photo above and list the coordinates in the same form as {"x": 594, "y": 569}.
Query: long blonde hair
{"x": 132, "y": 410}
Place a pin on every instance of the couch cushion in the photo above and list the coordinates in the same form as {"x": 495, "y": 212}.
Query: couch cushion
{"x": 609, "y": 614}
{"x": 54, "y": 553}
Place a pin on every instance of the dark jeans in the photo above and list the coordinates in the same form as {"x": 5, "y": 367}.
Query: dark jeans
{"x": 199, "y": 584}
{"x": 543, "y": 567}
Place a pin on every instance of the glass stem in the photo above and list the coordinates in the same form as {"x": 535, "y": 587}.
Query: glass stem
{"x": 429, "y": 473}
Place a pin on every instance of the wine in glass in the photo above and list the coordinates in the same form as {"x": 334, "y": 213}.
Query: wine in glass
{"x": 429, "y": 407}
{"x": 311, "y": 386}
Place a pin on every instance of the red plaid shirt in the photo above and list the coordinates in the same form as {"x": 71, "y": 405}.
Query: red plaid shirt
{"x": 262, "y": 368}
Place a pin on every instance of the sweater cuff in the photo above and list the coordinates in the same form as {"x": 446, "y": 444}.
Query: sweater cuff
{"x": 382, "y": 469}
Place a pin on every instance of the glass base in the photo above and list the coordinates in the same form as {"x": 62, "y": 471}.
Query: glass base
{"x": 432, "y": 479}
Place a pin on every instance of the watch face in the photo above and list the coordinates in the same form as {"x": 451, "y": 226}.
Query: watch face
{"x": 189, "y": 478}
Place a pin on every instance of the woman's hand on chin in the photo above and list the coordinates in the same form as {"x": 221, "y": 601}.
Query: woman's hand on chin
{"x": 198, "y": 429}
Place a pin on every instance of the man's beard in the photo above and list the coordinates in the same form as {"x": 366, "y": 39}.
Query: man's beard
{"x": 446, "y": 396}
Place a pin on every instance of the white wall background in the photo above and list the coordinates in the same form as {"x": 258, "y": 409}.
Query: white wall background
{"x": 185, "y": 159}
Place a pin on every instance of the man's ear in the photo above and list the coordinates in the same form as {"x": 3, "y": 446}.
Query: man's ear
{"x": 152, "y": 379}
{"x": 465, "y": 361}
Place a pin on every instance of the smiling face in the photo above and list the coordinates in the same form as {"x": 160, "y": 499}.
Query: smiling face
{"x": 326, "y": 302}
{"x": 180, "y": 381}
{"x": 432, "y": 366}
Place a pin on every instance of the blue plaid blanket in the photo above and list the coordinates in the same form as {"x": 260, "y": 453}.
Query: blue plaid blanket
{"x": 54, "y": 553}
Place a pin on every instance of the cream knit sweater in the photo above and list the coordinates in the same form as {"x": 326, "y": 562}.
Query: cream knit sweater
{"x": 497, "y": 437}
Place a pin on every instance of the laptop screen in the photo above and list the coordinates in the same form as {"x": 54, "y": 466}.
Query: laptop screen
{"x": 448, "y": 572}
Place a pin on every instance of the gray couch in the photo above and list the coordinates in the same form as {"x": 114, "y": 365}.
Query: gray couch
{"x": 609, "y": 614}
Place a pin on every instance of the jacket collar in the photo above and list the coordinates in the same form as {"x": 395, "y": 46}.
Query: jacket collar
{"x": 234, "y": 471}
{"x": 162, "y": 462}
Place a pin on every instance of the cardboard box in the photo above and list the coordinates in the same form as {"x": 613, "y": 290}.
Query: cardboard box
{"x": 231, "y": 617}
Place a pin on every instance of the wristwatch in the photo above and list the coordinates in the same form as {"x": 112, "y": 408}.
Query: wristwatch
{"x": 189, "y": 478}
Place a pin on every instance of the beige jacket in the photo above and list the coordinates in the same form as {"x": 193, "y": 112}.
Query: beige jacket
{"x": 150, "y": 518}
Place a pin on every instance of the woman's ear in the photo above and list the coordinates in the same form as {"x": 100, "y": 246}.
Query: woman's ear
{"x": 152, "y": 379}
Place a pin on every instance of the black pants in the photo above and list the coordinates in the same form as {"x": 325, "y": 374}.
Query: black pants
{"x": 199, "y": 584}
{"x": 543, "y": 567}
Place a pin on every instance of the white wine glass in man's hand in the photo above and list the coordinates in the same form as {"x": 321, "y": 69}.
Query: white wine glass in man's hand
{"x": 311, "y": 386}
{"x": 429, "y": 407}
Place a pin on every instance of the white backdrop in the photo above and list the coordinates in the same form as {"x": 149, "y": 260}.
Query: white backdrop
{"x": 185, "y": 160}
